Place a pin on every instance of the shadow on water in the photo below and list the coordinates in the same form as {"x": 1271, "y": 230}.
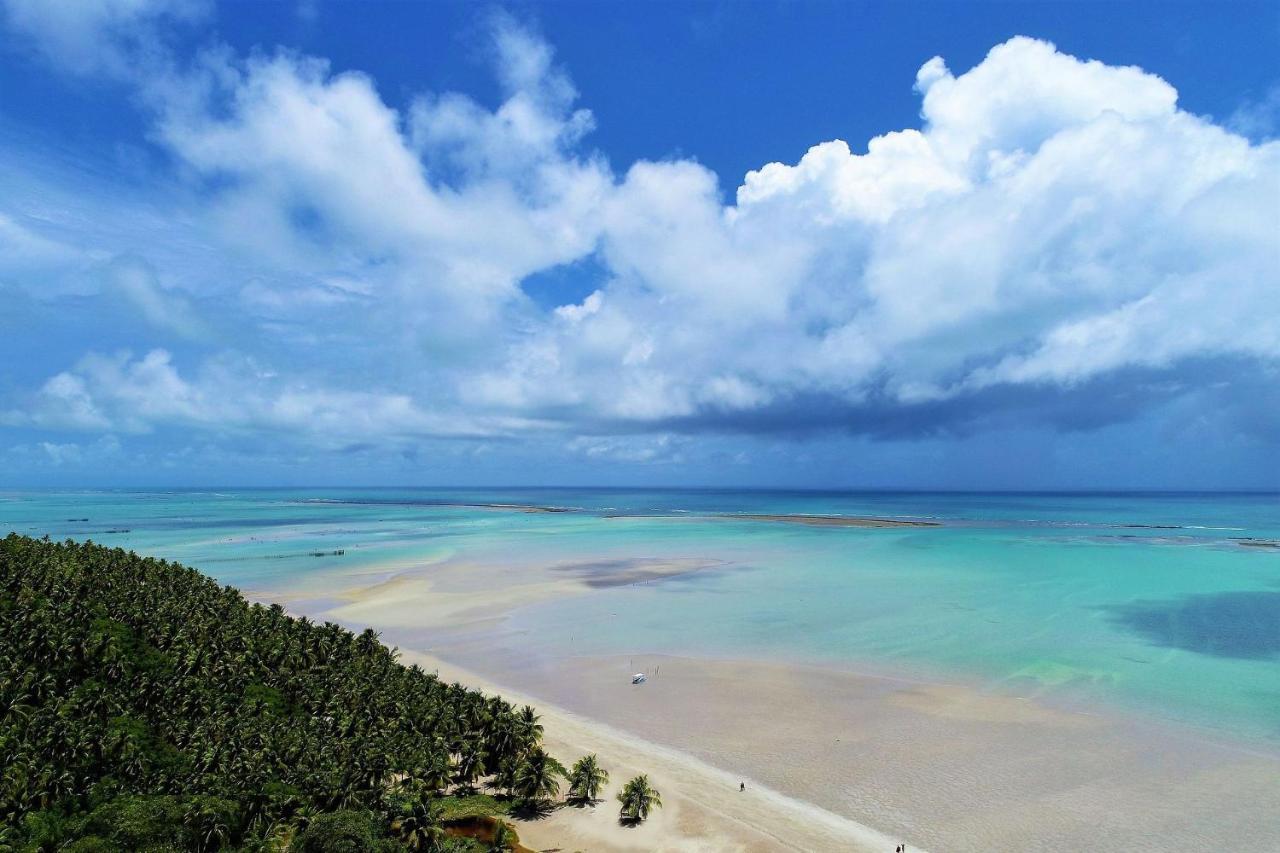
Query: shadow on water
{"x": 1227, "y": 624}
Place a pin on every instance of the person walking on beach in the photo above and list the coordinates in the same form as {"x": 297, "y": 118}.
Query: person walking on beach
{"x": 742, "y": 786}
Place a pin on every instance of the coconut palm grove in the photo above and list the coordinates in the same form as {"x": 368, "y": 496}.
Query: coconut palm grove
{"x": 145, "y": 707}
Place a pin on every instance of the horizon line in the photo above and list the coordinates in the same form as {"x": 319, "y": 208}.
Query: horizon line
{"x": 675, "y": 488}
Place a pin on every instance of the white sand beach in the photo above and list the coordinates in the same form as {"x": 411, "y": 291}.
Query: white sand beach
{"x": 940, "y": 766}
{"x": 703, "y": 809}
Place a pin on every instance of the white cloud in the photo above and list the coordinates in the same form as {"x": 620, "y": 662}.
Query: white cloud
{"x": 24, "y": 252}
{"x": 64, "y": 403}
{"x": 59, "y": 454}
{"x": 453, "y": 203}
{"x": 1052, "y": 222}
{"x": 1024, "y": 93}
{"x": 96, "y": 36}
{"x": 135, "y": 280}
{"x": 121, "y": 393}
{"x": 1258, "y": 118}
{"x": 527, "y": 139}
{"x": 664, "y": 449}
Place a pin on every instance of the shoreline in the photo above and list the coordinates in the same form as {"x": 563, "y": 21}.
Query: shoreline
{"x": 703, "y": 810}
{"x": 944, "y": 765}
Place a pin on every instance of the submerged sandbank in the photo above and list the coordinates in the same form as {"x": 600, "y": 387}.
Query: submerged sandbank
{"x": 464, "y": 595}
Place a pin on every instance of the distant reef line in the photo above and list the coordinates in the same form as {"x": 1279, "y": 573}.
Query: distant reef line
{"x": 832, "y": 520}
{"x": 811, "y": 519}
{"x": 787, "y": 518}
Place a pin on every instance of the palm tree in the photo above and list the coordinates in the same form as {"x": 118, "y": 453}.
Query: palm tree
{"x": 437, "y": 773}
{"x": 538, "y": 777}
{"x": 586, "y": 779}
{"x": 528, "y": 728}
{"x": 418, "y": 826}
{"x": 207, "y": 825}
{"x": 638, "y": 797}
{"x": 469, "y": 768}
{"x": 503, "y": 838}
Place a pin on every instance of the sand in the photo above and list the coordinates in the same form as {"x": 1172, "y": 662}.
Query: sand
{"x": 942, "y": 766}
{"x": 703, "y": 810}
{"x": 826, "y": 754}
{"x": 460, "y": 595}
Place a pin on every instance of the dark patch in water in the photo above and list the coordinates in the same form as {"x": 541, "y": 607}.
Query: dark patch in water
{"x": 602, "y": 574}
{"x": 253, "y": 558}
{"x": 1227, "y": 624}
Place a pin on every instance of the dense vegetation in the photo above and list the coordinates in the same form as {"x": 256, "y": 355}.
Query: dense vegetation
{"x": 144, "y": 707}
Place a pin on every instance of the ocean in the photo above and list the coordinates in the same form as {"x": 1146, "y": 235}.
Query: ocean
{"x": 1162, "y": 604}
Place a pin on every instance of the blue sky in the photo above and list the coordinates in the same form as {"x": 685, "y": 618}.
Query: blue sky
{"x": 904, "y": 245}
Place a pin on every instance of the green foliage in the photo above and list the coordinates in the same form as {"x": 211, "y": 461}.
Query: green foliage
{"x": 143, "y": 706}
{"x": 586, "y": 779}
{"x": 415, "y": 821}
{"x": 503, "y": 838}
{"x": 92, "y": 844}
{"x": 637, "y": 799}
{"x": 474, "y": 805}
{"x": 47, "y": 829}
{"x": 137, "y": 822}
{"x": 537, "y": 777}
{"x": 345, "y": 831}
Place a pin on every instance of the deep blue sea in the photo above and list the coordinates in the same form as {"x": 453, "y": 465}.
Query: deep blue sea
{"x": 1165, "y": 604}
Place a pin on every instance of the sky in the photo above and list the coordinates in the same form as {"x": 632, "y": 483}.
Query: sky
{"x": 794, "y": 244}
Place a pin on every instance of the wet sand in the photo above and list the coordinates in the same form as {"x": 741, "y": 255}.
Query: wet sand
{"x": 943, "y": 766}
{"x": 702, "y": 810}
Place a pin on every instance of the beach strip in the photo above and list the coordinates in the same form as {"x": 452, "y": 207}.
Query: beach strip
{"x": 703, "y": 808}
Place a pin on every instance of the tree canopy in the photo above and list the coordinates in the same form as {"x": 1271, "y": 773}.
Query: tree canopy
{"x": 636, "y": 799}
{"x": 143, "y": 706}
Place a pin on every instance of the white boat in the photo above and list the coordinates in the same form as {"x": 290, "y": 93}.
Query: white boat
{"x": 639, "y": 678}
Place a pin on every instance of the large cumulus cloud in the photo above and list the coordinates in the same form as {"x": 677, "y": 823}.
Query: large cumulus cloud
{"x": 1054, "y": 222}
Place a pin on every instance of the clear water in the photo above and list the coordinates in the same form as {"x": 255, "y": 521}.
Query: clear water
{"x": 1150, "y": 602}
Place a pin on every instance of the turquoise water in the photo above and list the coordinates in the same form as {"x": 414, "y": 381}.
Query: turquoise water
{"x": 1154, "y": 603}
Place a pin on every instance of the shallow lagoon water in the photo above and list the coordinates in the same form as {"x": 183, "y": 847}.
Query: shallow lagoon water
{"x": 1164, "y": 604}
